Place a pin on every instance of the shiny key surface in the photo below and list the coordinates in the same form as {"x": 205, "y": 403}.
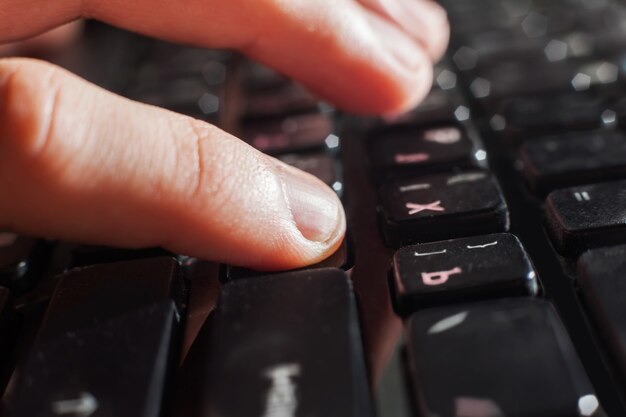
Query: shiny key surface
{"x": 105, "y": 344}
{"x": 7, "y": 335}
{"x": 602, "y": 281}
{"x": 501, "y": 358}
{"x": 19, "y": 255}
{"x": 461, "y": 270}
{"x": 290, "y": 344}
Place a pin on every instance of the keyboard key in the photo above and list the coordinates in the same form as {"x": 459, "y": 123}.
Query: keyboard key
{"x": 105, "y": 343}
{"x": 86, "y": 255}
{"x": 5, "y": 314}
{"x": 410, "y": 148}
{"x": 603, "y": 288}
{"x": 442, "y": 207}
{"x": 291, "y": 134}
{"x": 574, "y": 158}
{"x": 588, "y": 216}
{"x": 21, "y": 260}
{"x": 343, "y": 258}
{"x": 438, "y": 106}
{"x": 498, "y": 80}
{"x": 7, "y": 336}
{"x": 320, "y": 164}
{"x": 500, "y": 358}
{"x": 290, "y": 344}
{"x": 539, "y": 114}
{"x": 433, "y": 274}
{"x": 284, "y": 99}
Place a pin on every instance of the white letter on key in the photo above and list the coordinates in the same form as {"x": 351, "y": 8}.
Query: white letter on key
{"x": 282, "y": 400}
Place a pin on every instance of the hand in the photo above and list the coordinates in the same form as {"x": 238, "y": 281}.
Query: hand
{"x": 79, "y": 163}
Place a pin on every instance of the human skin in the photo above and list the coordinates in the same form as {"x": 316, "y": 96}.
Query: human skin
{"x": 82, "y": 164}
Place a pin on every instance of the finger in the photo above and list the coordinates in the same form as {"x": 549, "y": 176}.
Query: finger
{"x": 328, "y": 45}
{"x": 425, "y": 20}
{"x": 78, "y": 163}
{"x": 51, "y": 41}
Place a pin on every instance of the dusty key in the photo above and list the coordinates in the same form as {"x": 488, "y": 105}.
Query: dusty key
{"x": 105, "y": 345}
{"x": 509, "y": 357}
{"x": 444, "y": 206}
{"x": 286, "y": 345}
{"x": 574, "y": 158}
{"x": 588, "y": 216}
{"x": 466, "y": 269}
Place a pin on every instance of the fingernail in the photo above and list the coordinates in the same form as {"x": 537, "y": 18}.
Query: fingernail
{"x": 427, "y": 11}
{"x": 397, "y": 46}
{"x": 315, "y": 208}
{"x": 405, "y": 52}
{"x": 427, "y": 21}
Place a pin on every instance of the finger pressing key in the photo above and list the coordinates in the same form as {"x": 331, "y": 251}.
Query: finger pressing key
{"x": 82, "y": 164}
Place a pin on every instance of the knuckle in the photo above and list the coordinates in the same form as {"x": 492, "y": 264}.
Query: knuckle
{"x": 28, "y": 100}
{"x": 211, "y": 163}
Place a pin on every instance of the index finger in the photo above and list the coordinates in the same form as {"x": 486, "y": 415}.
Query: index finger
{"x": 328, "y": 45}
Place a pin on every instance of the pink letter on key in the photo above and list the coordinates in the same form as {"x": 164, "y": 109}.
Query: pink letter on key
{"x": 439, "y": 277}
{"x": 411, "y": 158}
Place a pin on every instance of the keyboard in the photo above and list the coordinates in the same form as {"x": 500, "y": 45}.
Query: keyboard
{"x": 482, "y": 275}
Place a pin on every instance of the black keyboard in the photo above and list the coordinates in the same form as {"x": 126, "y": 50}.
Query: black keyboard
{"x": 483, "y": 273}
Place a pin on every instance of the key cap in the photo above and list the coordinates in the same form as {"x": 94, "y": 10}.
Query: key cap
{"x": 499, "y": 358}
{"x": 410, "y": 148}
{"x": 21, "y": 259}
{"x": 603, "y": 288}
{"x": 343, "y": 258}
{"x": 320, "y": 164}
{"x": 86, "y": 255}
{"x": 495, "y": 81}
{"x": 574, "y": 158}
{"x": 540, "y": 114}
{"x": 437, "y": 108}
{"x": 588, "y": 216}
{"x": 291, "y": 134}
{"x": 5, "y": 313}
{"x": 105, "y": 343}
{"x": 442, "y": 207}
{"x": 433, "y": 274}
{"x": 284, "y": 99}
{"x": 286, "y": 345}
{"x": 7, "y": 321}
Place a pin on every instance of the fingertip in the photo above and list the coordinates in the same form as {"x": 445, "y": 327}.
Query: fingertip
{"x": 319, "y": 219}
